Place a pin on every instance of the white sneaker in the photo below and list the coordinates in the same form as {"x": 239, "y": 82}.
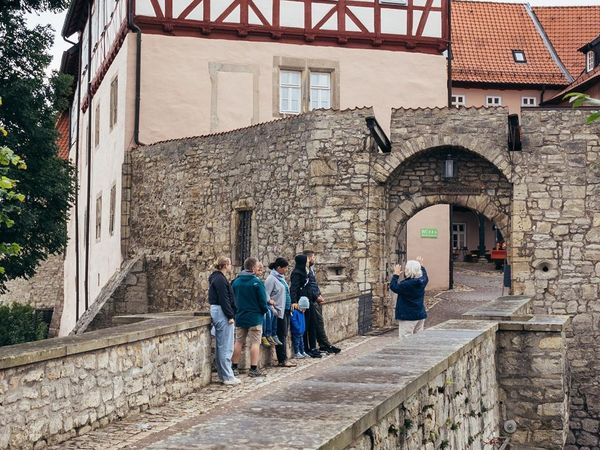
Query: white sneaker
{"x": 299, "y": 356}
{"x": 305, "y": 355}
{"x": 232, "y": 381}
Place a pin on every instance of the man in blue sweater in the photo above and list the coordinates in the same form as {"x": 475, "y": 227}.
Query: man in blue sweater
{"x": 410, "y": 304}
{"x": 251, "y": 306}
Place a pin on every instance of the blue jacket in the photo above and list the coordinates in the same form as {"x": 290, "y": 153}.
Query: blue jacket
{"x": 298, "y": 323}
{"x": 250, "y": 300}
{"x": 411, "y": 296}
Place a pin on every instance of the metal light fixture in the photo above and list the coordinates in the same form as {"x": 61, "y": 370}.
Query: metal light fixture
{"x": 379, "y": 135}
{"x": 449, "y": 167}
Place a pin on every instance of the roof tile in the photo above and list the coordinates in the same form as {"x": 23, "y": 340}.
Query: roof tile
{"x": 484, "y": 34}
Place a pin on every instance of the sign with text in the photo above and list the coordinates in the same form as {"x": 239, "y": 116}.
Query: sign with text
{"x": 430, "y": 233}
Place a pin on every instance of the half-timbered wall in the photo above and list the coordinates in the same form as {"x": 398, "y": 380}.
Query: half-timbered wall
{"x": 402, "y": 24}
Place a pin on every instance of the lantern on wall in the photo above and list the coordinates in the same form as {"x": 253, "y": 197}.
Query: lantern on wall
{"x": 449, "y": 167}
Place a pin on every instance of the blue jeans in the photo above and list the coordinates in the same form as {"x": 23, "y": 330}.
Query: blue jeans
{"x": 270, "y": 323}
{"x": 298, "y": 343}
{"x": 223, "y": 343}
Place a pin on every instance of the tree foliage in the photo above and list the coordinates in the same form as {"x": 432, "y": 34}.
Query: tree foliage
{"x": 578, "y": 99}
{"x": 32, "y": 103}
{"x": 21, "y": 323}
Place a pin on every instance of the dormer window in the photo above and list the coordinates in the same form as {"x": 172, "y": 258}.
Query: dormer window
{"x": 519, "y": 56}
{"x": 589, "y": 61}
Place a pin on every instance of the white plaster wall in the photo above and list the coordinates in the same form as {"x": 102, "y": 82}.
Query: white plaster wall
{"x": 106, "y": 160}
{"x": 435, "y": 252}
{"x": 176, "y": 86}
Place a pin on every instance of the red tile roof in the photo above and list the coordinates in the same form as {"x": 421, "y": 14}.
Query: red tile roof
{"x": 62, "y": 126}
{"x": 484, "y": 34}
{"x": 569, "y": 28}
{"x": 579, "y": 85}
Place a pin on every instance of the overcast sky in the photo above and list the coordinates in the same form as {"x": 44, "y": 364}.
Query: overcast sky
{"x": 56, "y": 21}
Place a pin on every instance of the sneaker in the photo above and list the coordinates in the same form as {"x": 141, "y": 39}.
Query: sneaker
{"x": 314, "y": 353}
{"x": 333, "y": 349}
{"x": 254, "y": 373}
{"x": 264, "y": 341}
{"x": 306, "y": 355}
{"x": 272, "y": 341}
{"x": 277, "y": 341}
{"x": 287, "y": 364}
{"x": 235, "y": 371}
{"x": 232, "y": 381}
{"x": 300, "y": 355}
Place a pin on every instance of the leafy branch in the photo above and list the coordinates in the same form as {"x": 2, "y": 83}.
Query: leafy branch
{"x": 578, "y": 99}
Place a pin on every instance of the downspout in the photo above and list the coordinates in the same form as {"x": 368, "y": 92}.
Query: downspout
{"x": 138, "y": 72}
{"x": 449, "y": 50}
{"x": 89, "y": 162}
{"x": 77, "y": 172}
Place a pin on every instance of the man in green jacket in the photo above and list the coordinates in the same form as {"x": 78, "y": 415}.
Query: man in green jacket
{"x": 251, "y": 306}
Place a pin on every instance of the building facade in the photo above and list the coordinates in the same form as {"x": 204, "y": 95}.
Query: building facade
{"x": 151, "y": 70}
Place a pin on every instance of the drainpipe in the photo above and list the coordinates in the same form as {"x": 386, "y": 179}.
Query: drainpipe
{"x": 138, "y": 71}
{"x": 449, "y": 50}
{"x": 89, "y": 162}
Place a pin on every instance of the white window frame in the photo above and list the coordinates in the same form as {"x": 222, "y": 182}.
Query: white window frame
{"x": 489, "y": 100}
{"x": 290, "y": 87}
{"x": 589, "y": 61}
{"x": 517, "y": 59}
{"x": 461, "y": 236}
{"x": 320, "y": 89}
{"x": 98, "y": 224}
{"x": 459, "y": 100}
{"x": 525, "y": 100}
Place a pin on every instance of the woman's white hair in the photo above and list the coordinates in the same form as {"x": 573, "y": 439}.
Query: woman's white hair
{"x": 413, "y": 269}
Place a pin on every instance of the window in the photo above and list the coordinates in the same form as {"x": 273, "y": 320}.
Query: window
{"x": 114, "y": 101}
{"x": 97, "y": 125}
{"x": 493, "y": 101}
{"x": 589, "y": 61}
{"x": 459, "y": 236}
{"x": 290, "y": 92}
{"x": 459, "y": 100}
{"x": 113, "y": 204}
{"x": 244, "y": 235}
{"x": 320, "y": 90}
{"x": 519, "y": 56}
{"x": 528, "y": 101}
{"x": 98, "y": 217}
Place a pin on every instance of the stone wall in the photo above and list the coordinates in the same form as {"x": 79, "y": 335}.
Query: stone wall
{"x": 556, "y": 234}
{"x": 54, "y": 389}
{"x": 305, "y": 179}
{"x": 533, "y": 379}
{"x": 43, "y": 291}
{"x": 453, "y": 408}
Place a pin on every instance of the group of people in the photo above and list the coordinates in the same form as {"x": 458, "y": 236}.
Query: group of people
{"x": 252, "y": 311}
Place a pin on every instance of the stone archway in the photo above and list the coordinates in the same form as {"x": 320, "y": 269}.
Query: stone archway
{"x": 417, "y": 183}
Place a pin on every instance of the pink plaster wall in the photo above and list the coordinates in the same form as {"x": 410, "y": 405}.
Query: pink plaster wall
{"x": 510, "y": 98}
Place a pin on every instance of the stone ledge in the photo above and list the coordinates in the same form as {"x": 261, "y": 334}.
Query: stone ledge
{"x": 344, "y": 296}
{"x": 509, "y": 307}
{"x": 537, "y": 323}
{"x": 149, "y": 326}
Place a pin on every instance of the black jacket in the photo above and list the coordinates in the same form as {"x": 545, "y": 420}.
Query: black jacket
{"x": 220, "y": 293}
{"x": 314, "y": 286}
{"x": 299, "y": 282}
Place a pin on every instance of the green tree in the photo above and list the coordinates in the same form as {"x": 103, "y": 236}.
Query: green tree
{"x": 32, "y": 102}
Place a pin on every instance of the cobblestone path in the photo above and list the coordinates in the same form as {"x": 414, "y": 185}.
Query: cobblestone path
{"x": 157, "y": 423}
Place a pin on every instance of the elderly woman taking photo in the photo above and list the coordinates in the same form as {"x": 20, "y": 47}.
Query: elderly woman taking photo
{"x": 410, "y": 304}
{"x": 222, "y": 312}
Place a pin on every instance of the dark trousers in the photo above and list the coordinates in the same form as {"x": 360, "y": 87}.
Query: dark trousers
{"x": 310, "y": 336}
{"x": 320, "y": 324}
{"x": 283, "y": 325}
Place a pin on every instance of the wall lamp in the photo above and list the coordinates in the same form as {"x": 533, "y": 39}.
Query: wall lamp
{"x": 449, "y": 167}
{"x": 378, "y": 134}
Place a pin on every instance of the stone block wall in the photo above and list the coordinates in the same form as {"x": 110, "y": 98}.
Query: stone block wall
{"x": 556, "y": 230}
{"x": 52, "y": 390}
{"x": 305, "y": 179}
{"x": 340, "y": 314}
{"x": 456, "y": 408}
{"x": 533, "y": 380}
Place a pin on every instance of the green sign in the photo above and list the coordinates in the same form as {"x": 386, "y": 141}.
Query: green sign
{"x": 430, "y": 233}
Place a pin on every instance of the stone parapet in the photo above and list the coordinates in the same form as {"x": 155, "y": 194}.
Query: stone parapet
{"x": 509, "y": 307}
{"x": 54, "y": 389}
